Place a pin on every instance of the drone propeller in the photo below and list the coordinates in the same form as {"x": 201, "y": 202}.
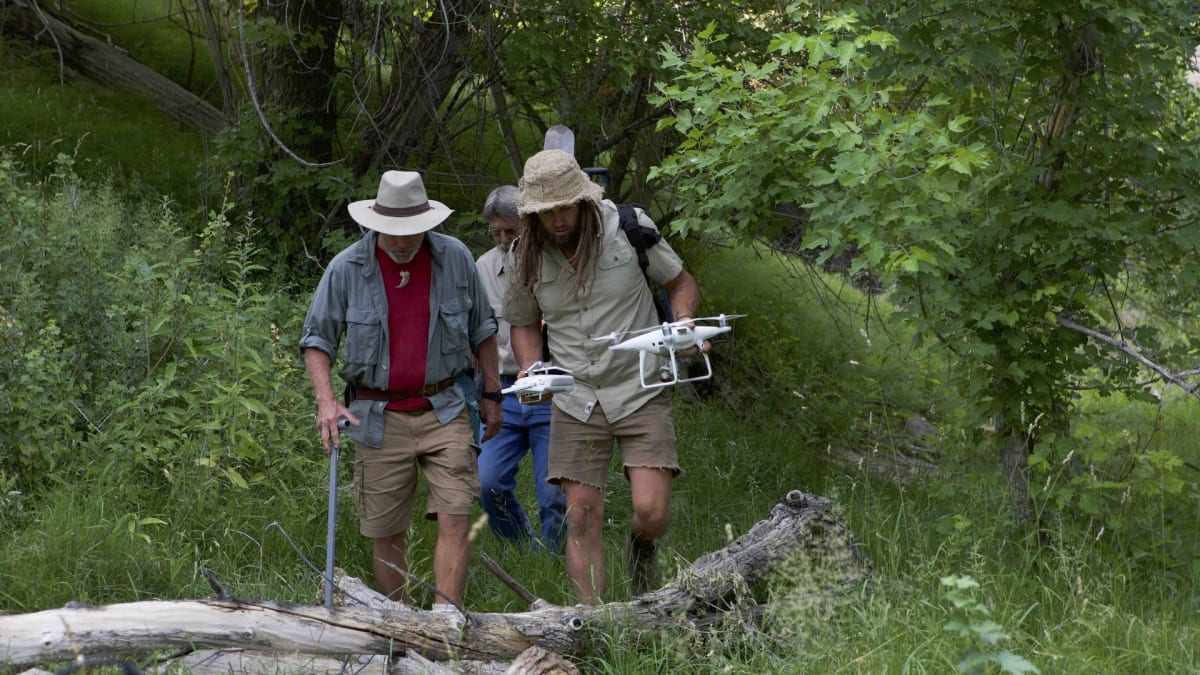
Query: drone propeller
{"x": 611, "y": 337}
{"x": 721, "y": 319}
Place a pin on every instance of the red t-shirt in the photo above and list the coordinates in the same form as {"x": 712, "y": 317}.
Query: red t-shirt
{"x": 407, "y": 287}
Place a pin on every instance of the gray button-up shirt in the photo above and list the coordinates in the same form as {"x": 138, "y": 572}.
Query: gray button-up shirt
{"x": 350, "y": 301}
{"x": 618, "y": 299}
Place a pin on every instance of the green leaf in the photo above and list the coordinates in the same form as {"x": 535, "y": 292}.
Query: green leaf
{"x": 236, "y": 478}
{"x": 1017, "y": 665}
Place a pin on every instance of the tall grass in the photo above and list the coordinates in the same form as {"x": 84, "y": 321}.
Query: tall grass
{"x": 111, "y": 133}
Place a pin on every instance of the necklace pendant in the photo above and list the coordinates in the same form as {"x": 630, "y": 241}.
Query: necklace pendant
{"x": 404, "y": 275}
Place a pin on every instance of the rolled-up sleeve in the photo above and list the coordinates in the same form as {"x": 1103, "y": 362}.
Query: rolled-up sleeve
{"x": 483, "y": 319}
{"x": 325, "y": 321}
{"x": 664, "y": 263}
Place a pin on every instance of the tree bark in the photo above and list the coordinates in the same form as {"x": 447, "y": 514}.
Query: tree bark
{"x": 1015, "y": 460}
{"x": 800, "y": 526}
{"x": 105, "y": 63}
{"x": 426, "y": 59}
{"x": 299, "y": 70}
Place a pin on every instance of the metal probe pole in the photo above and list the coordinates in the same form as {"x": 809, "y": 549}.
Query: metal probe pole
{"x": 331, "y": 522}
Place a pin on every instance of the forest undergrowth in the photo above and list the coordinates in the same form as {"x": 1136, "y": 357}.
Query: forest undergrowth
{"x": 155, "y": 422}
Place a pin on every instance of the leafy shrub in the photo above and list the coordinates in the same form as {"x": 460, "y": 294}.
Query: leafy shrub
{"x": 139, "y": 345}
{"x": 972, "y": 621}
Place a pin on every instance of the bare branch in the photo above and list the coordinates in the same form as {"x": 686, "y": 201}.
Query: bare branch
{"x": 1129, "y": 350}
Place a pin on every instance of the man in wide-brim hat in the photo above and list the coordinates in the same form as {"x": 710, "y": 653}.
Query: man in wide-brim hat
{"x": 414, "y": 315}
{"x": 576, "y": 268}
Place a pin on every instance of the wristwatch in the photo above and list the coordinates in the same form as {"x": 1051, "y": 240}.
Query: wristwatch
{"x": 493, "y": 396}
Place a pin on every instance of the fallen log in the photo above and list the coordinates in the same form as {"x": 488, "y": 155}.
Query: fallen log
{"x": 106, "y": 63}
{"x": 802, "y": 526}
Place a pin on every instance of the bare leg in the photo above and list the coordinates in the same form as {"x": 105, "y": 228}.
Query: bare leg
{"x": 585, "y": 550}
{"x": 388, "y": 552}
{"x": 651, "y": 490}
{"x": 451, "y": 556}
{"x": 651, "y": 515}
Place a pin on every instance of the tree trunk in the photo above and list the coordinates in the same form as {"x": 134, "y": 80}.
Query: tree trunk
{"x": 1015, "y": 459}
{"x": 426, "y": 60}
{"x": 801, "y": 526}
{"x": 216, "y": 36}
{"x": 299, "y": 69}
{"x": 105, "y": 63}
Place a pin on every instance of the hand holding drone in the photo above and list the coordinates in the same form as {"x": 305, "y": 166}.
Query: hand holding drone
{"x": 540, "y": 381}
{"x": 667, "y": 340}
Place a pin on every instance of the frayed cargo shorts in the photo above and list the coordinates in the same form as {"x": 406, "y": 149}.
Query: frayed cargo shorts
{"x": 582, "y": 451}
{"x": 385, "y": 478}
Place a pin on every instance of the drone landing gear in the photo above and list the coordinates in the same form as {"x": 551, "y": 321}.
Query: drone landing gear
{"x": 669, "y": 372}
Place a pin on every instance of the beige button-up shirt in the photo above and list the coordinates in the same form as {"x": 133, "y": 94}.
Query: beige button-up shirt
{"x": 495, "y": 280}
{"x": 618, "y": 299}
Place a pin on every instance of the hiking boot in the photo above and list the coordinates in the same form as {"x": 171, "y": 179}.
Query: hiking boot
{"x": 640, "y": 561}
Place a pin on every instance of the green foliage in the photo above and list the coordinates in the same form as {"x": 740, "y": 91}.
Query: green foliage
{"x": 1127, "y": 475}
{"x": 971, "y": 620}
{"x": 290, "y": 200}
{"x": 137, "y": 347}
{"x": 999, "y": 170}
{"x": 52, "y": 283}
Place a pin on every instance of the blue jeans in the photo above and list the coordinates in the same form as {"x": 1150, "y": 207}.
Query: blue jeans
{"x": 526, "y": 428}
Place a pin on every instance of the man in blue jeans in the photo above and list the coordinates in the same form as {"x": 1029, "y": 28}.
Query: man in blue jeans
{"x": 526, "y": 427}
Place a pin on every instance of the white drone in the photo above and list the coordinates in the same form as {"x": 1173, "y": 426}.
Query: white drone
{"x": 541, "y": 379}
{"x": 666, "y": 340}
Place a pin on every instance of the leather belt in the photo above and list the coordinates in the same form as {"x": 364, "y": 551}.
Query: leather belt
{"x": 393, "y": 395}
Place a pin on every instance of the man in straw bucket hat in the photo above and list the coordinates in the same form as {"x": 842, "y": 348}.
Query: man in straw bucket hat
{"x": 575, "y": 269}
{"x": 409, "y": 304}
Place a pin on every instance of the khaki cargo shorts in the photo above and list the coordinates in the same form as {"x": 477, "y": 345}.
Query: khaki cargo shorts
{"x": 582, "y": 451}
{"x": 385, "y": 478}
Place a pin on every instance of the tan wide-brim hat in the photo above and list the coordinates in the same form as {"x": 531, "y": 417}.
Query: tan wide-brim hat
{"x": 401, "y": 207}
{"x": 552, "y": 179}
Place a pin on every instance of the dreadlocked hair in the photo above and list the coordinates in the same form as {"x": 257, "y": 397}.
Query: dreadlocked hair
{"x": 533, "y": 240}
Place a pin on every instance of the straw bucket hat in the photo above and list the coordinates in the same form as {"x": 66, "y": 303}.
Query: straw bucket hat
{"x": 552, "y": 179}
{"x": 401, "y": 206}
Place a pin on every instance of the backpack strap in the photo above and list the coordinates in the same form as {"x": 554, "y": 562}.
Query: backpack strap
{"x": 643, "y": 238}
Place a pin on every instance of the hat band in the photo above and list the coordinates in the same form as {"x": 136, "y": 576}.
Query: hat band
{"x": 400, "y": 211}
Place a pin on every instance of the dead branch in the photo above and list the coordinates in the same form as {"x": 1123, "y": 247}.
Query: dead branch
{"x": 801, "y": 526}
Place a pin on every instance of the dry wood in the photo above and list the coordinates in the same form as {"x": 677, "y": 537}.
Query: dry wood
{"x": 802, "y": 525}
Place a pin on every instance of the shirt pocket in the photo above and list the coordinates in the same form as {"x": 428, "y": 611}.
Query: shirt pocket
{"x": 364, "y": 334}
{"x": 454, "y": 316}
{"x": 616, "y": 255}
{"x": 618, "y": 273}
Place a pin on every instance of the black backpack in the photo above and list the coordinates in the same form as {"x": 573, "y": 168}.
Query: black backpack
{"x": 643, "y": 238}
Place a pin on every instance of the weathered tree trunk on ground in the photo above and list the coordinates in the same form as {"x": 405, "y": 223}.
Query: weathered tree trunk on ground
{"x": 106, "y": 63}
{"x": 801, "y": 526}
